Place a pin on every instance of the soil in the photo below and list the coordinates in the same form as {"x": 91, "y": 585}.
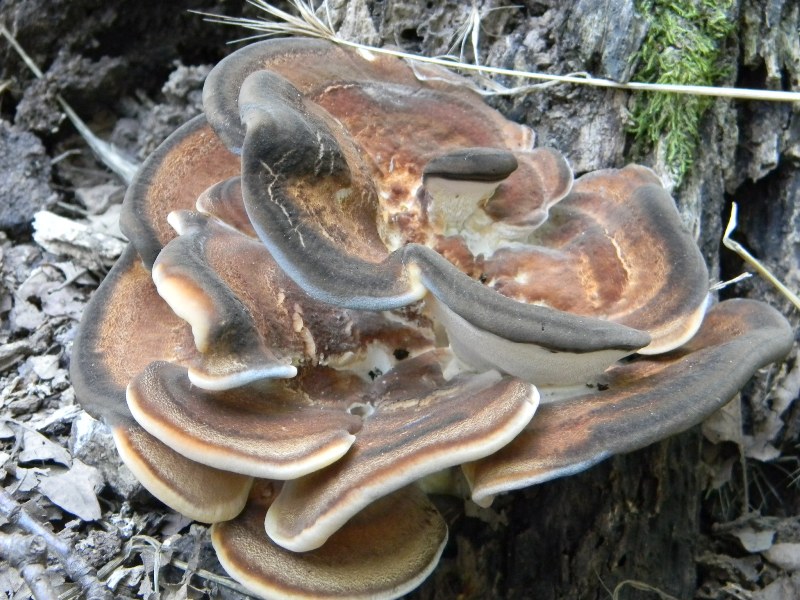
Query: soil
{"x": 712, "y": 513}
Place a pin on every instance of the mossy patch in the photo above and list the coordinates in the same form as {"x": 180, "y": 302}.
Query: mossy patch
{"x": 684, "y": 45}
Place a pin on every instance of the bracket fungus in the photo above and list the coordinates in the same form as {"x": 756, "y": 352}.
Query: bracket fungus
{"x": 343, "y": 279}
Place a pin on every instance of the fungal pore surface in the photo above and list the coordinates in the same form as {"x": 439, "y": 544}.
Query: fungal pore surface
{"x": 343, "y": 279}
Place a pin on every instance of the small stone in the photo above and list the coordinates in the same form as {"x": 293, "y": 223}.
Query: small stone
{"x": 784, "y": 555}
{"x": 66, "y": 237}
{"x": 24, "y": 406}
{"x": 755, "y": 541}
{"x": 45, "y": 367}
{"x": 92, "y": 443}
{"x": 37, "y": 448}
{"x": 11, "y": 353}
{"x": 25, "y": 315}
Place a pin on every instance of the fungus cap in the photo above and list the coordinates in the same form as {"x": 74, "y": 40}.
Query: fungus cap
{"x": 639, "y": 402}
{"x": 384, "y": 552}
{"x": 348, "y": 278}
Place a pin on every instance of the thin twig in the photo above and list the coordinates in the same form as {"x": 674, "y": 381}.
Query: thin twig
{"x": 135, "y": 545}
{"x": 28, "y": 555}
{"x": 155, "y": 546}
{"x": 76, "y": 568}
{"x": 104, "y": 151}
{"x": 208, "y": 575}
{"x": 641, "y": 586}
{"x": 752, "y": 260}
{"x": 308, "y": 24}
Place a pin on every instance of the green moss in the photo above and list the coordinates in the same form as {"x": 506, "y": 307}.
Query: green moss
{"x": 683, "y": 45}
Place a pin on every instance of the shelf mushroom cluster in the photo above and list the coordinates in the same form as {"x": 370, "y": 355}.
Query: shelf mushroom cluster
{"x": 348, "y": 276}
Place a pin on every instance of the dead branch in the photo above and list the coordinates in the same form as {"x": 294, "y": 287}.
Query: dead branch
{"x": 28, "y": 555}
{"x": 76, "y": 568}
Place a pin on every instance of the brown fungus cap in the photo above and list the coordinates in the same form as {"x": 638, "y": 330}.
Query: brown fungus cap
{"x": 542, "y": 179}
{"x": 349, "y": 278}
{"x": 415, "y": 423}
{"x": 288, "y": 135}
{"x": 614, "y": 247}
{"x": 173, "y": 176}
{"x": 383, "y": 552}
{"x": 200, "y": 492}
{"x": 295, "y": 157}
{"x": 250, "y": 321}
{"x": 115, "y": 342}
{"x": 252, "y": 429}
{"x": 224, "y": 201}
{"x": 641, "y": 402}
{"x": 335, "y": 77}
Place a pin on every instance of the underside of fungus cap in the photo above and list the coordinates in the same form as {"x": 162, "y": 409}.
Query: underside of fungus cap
{"x": 117, "y": 337}
{"x": 414, "y": 423}
{"x": 173, "y": 176}
{"x": 382, "y": 553}
{"x": 641, "y": 402}
{"x": 613, "y": 248}
{"x": 538, "y": 344}
{"x": 458, "y": 182}
{"x": 530, "y": 361}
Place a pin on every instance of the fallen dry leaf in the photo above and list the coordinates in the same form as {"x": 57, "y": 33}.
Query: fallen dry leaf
{"x": 37, "y": 448}
{"x": 74, "y": 490}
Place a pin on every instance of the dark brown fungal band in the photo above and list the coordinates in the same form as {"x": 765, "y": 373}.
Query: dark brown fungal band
{"x": 343, "y": 279}
{"x": 472, "y": 164}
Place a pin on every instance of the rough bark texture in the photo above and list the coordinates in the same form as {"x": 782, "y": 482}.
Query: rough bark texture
{"x": 633, "y": 517}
